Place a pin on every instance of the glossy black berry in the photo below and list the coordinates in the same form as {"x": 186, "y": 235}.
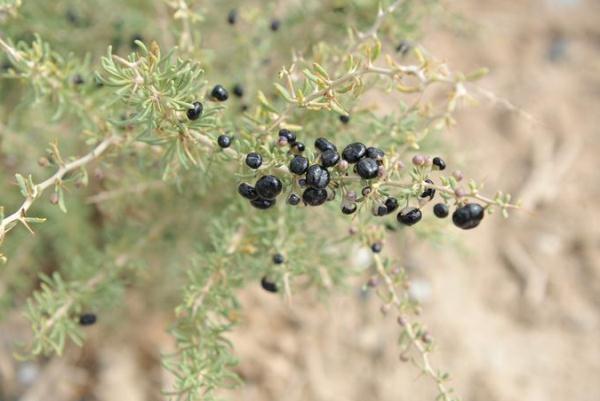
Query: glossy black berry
{"x": 278, "y": 259}
{"x": 380, "y": 210}
{"x": 349, "y": 209}
{"x": 298, "y": 165}
{"x": 261, "y": 203}
{"x": 275, "y": 24}
{"x": 344, "y": 118}
{"x": 409, "y": 216}
{"x": 219, "y": 93}
{"x": 330, "y": 158}
{"x": 247, "y": 191}
{"x": 429, "y": 192}
{"x": 354, "y": 152}
{"x": 440, "y": 210}
{"x": 391, "y": 204}
{"x": 314, "y": 196}
{"x": 439, "y": 163}
{"x": 468, "y": 216}
{"x": 377, "y": 247}
{"x": 195, "y": 112}
{"x": 232, "y": 17}
{"x": 317, "y": 177}
{"x": 367, "y": 168}
{"x": 87, "y": 319}
{"x": 293, "y": 199}
{"x": 238, "y": 90}
{"x": 288, "y": 135}
{"x": 268, "y": 187}
{"x": 375, "y": 153}
{"x": 224, "y": 141}
{"x": 323, "y": 144}
{"x": 268, "y": 285}
{"x": 253, "y": 160}
{"x": 299, "y": 146}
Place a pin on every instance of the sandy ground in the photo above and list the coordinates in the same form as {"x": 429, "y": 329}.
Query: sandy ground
{"x": 515, "y": 314}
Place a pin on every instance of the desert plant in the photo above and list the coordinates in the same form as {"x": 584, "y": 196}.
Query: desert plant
{"x": 227, "y": 145}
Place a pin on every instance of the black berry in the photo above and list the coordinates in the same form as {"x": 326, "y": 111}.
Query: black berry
{"x": 409, "y": 216}
{"x": 299, "y": 146}
{"x": 429, "y": 192}
{"x": 317, "y": 177}
{"x": 288, "y": 135}
{"x": 314, "y": 196}
{"x": 87, "y": 319}
{"x": 261, "y": 203}
{"x": 439, "y": 163}
{"x": 247, "y": 191}
{"x": 381, "y": 210}
{"x": 376, "y": 247}
{"x": 344, "y": 118}
{"x": 232, "y": 17}
{"x": 391, "y": 204}
{"x": 349, "y": 209}
{"x": 367, "y": 168}
{"x": 253, "y": 160}
{"x": 275, "y": 24}
{"x": 224, "y": 141}
{"x": 219, "y": 93}
{"x": 354, "y": 152}
{"x": 375, "y": 153}
{"x": 238, "y": 90}
{"x": 278, "y": 259}
{"x": 323, "y": 144}
{"x": 268, "y": 285}
{"x": 468, "y": 216}
{"x": 269, "y": 187}
{"x": 195, "y": 112}
{"x": 293, "y": 199}
{"x": 330, "y": 158}
{"x": 440, "y": 210}
{"x": 298, "y": 165}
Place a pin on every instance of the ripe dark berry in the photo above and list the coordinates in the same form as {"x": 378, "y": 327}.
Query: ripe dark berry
{"x": 429, "y": 192}
{"x": 195, "y": 112}
{"x": 409, "y": 216}
{"x": 349, "y": 209}
{"x": 375, "y": 153}
{"x": 253, "y": 160}
{"x": 232, "y": 17}
{"x": 278, "y": 259}
{"x": 247, "y": 191}
{"x": 261, "y": 203}
{"x": 330, "y": 158}
{"x": 323, "y": 144}
{"x": 391, "y": 204}
{"x": 238, "y": 90}
{"x": 380, "y": 210}
{"x": 367, "y": 168}
{"x": 468, "y": 216}
{"x": 268, "y": 187}
{"x": 268, "y": 285}
{"x": 376, "y": 247}
{"x": 87, "y": 319}
{"x": 288, "y": 135}
{"x": 317, "y": 177}
{"x": 354, "y": 152}
{"x": 344, "y": 118}
{"x": 298, "y": 165}
{"x": 275, "y": 24}
{"x": 439, "y": 163}
{"x": 224, "y": 141}
{"x": 314, "y": 196}
{"x": 219, "y": 93}
{"x": 299, "y": 146}
{"x": 440, "y": 210}
{"x": 293, "y": 199}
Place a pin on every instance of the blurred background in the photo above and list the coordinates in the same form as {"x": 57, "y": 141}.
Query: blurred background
{"x": 514, "y": 310}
